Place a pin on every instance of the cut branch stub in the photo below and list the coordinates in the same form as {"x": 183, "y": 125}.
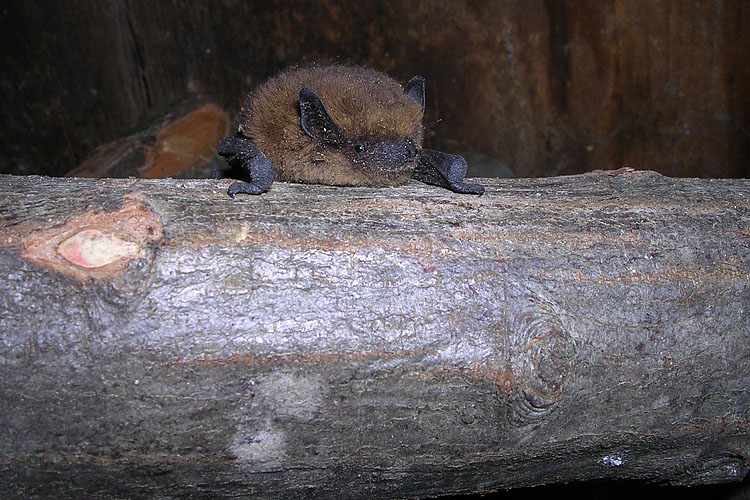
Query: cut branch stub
{"x": 94, "y": 244}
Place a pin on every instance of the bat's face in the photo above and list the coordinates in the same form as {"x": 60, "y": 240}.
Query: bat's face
{"x": 381, "y": 156}
{"x": 390, "y": 161}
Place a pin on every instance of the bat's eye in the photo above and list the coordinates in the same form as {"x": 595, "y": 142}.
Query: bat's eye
{"x": 359, "y": 147}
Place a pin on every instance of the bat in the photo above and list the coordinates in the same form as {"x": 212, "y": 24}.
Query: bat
{"x": 340, "y": 125}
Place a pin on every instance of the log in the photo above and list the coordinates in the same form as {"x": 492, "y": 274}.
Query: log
{"x": 160, "y": 339}
{"x": 178, "y": 142}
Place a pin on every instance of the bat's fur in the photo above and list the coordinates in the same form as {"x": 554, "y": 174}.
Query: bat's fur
{"x": 365, "y": 103}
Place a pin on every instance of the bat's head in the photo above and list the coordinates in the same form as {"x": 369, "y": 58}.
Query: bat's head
{"x": 339, "y": 125}
{"x": 375, "y": 154}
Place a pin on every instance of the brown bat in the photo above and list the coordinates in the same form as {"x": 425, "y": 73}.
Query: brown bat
{"x": 341, "y": 125}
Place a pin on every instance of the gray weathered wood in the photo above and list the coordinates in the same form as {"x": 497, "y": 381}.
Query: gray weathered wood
{"x": 159, "y": 339}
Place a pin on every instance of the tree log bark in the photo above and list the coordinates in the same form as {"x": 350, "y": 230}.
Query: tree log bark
{"x": 319, "y": 342}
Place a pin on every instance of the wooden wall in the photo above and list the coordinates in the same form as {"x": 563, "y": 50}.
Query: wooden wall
{"x": 546, "y": 87}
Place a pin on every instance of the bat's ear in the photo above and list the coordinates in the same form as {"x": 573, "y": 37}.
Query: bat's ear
{"x": 316, "y": 121}
{"x": 414, "y": 90}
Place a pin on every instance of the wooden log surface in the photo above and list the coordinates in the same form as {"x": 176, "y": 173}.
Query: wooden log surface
{"x": 178, "y": 142}
{"x": 160, "y": 339}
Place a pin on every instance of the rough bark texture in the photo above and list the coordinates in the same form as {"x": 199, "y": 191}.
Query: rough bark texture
{"x": 162, "y": 340}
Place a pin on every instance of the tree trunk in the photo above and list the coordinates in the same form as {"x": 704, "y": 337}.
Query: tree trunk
{"x": 161, "y": 339}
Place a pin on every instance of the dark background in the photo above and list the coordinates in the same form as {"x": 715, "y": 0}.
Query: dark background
{"x": 542, "y": 87}
{"x": 538, "y": 87}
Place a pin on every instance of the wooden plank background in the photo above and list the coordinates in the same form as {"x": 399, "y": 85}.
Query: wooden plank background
{"x": 545, "y": 87}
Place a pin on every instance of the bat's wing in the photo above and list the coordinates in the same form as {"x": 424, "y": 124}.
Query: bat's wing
{"x": 241, "y": 151}
{"x": 444, "y": 170}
